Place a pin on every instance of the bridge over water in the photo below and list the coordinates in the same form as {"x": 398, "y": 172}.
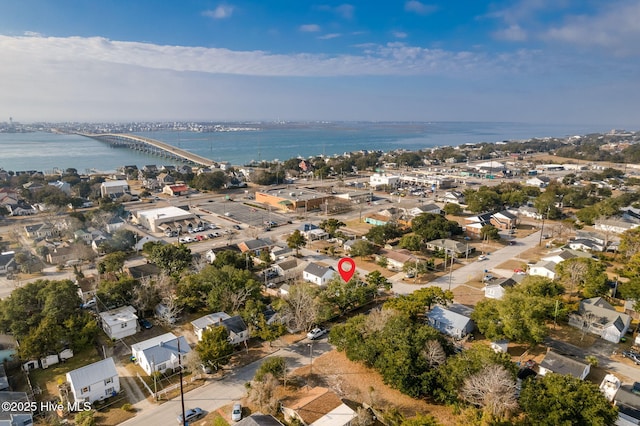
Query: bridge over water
{"x": 150, "y": 146}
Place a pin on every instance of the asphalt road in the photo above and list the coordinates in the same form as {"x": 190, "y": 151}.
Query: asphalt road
{"x": 231, "y": 388}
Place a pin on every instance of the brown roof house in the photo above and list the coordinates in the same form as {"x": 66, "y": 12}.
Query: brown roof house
{"x": 317, "y": 407}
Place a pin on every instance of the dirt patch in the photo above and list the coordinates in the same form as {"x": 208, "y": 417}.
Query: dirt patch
{"x": 468, "y": 295}
{"x": 356, "y": 382}
{"x": 572, "y": 335}
{"x": 513, "y": 264}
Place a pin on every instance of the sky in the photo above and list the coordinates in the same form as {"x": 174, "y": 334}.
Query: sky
{"x": 528, "y": 61}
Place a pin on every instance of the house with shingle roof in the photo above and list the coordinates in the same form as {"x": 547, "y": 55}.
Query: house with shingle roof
{"x": 160, "y": 353}
{"x": 238, "y": 331}
{"x": 317, "y": 406}
{"x": 496, "y": 289}
{"x": 559, "y": 364}
{"x": 256, "y": 246}
{"x": 317, "y": 273}
{"x": 599, "y": 317}
{"x": 543, "y": 269}
{"x": 7, "y": 261}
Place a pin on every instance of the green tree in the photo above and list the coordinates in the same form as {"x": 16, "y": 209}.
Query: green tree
{"x": 452, "y": 209}
{"x": 210, "y": 181}
{"x": 377, "y": 280}
{"x": 172, "y": 259}
{"x": 417, "y": 304}
{"x": 214, "y": 349}
{"x": 115, "y": 293}
{"x": 411, "y": 242}
{"x": 362, "y": 248}
{"x": 587, "y": 274}
{"x": 296, "y": 240}
{"x": 431, "y": 226}
{"x": 231, "y": 288}
{"x": 381, "y": 234}
{"x": 331, "y": 226}
{"x": 483, "y": 200}
{"x": 489, "y": 232}
{"x": 114, "y": 262}
{"x": 343, "y": 296}
{"x": 275, "y": 365}
{"x": 556, "y": 399}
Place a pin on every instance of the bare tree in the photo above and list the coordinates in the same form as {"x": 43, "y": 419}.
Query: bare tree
{"x": 263, "y": 394}
{"x": 574, "y": 272}
{"x": 234, "y": 299}
{"x": 377, "y": 319}
{"x": 433, "y": 353}
{"x": 145, "y": 295}
{"x": 363, "y": 417}
{"x": 199, "y": 263}
{"x": 493, "y": 389}
{"x": 302, "y": 306}
{"x": 193, "y": 363}
{"x": 169, "y": 299}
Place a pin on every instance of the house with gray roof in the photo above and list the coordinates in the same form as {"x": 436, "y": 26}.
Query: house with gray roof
{"x": 7, "y": 261}
{"x": 238, "y": 330}
{"x": 15, "y": 417}
{"x": 160, "y": 353}
{"x": 599, "y": 317}
{"x": 94, "y": 382}
{"x": 628, "y": 404}
{"x": 544, "y": 268}
{"x": 452, "y": 320}
{"x": 317, "y": 273}
{"x": 458, "y": 248}
{"x": 256, "y": 246}
{"x": 259, "y": 419}
{"x": 496, "y": 289}
{"x": 559, "y": 364}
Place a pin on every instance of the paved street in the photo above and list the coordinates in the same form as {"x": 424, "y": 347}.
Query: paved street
{"x": 216, "y": 394}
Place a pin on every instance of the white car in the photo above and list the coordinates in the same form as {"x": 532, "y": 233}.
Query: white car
{"x": 482, "y": 257}
{"x": 316, "y": 333}
{"x": 236, "y": 412}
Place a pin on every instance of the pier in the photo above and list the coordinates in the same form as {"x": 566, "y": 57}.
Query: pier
{"x": 150, "y": 146}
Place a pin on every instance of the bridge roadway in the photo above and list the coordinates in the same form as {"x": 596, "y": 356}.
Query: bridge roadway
{"x": 141, "y": 143}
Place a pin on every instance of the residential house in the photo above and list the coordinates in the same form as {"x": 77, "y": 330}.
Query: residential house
{"x": 82, "y": 235}
{"x": 120, "y": 322}
{"x": 455, "y": 197}
{"x": 114, "y": 224}
{"x": 503, "y": 220}
{"x": 114, "y": 188}
{"x": 238, "y": 331}
{"x": 87, "y": 288}
{"x": 527, "y": 211}
{"x": 585, "y": 245}
{"x": 165, "y": 179}
{"x": 473, "y": 224}
{"x": 628, "y": 404}
{"x": 256, "y": 246}
{"x": 21, "y": 208}
{"x": 62, "y": 186}
{"x": 377, "y": 180}
{"x": 616, "y": 225}
{"x": 317, "y": 406}
{"x": 376, "y": 219}
{"x": 424, "y": 208}
{"x": 496, "y": 289}
{"x": 543, "y": 269}
{"x": 145, "y": 270}
{"x": 61, "y": 255}
{"x": 4, "y": 380}
{"x": 560, "y": 255}
{"x": 457, "y": 248}
{"x": 94, "y": 382}
{"x": 11, "y": 417}
{"x": 396, "y": 259}
{"x": 289, "y": 267}
{"x": 317, "y": 274}
{"x": 555, "y": 363}
{"x": 7, "y": 261}
{"x": 176, "y": 189}
{"x": 160, "y": 353}
{"x": 279, "y": 253}
{"x": 212, "y": 253}
{"x": 40, "y": 230}
{"x": 597, "y": 316}
{"x": 453, "y": 320}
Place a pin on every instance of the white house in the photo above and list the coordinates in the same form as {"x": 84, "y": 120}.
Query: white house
{"x": 318, "y": 274}
{"x": 94, "y": 382}
{"x": 114, "y": 188}
{"x": 377, "y": 179}
{"x": 238, "y": 331}
{"x": 538, "y": 181}
{"x": 160, "y": 353}
{"x": 543, "y": 269}
{"x": 597, "y": 316}
{"x": 120, "y": 322}
{"x": 7, "y": 261}
{"x": 17, "y": 412}
{"x": 453, "y": 320}
{"x": 496, "y": 289}
{"x": 559, "y": 364}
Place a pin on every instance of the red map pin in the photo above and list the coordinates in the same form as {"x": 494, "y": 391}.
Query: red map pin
{"x": 346, "y": 268}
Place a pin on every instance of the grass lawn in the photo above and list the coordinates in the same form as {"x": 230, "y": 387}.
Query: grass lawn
{"x": 49, "y": 379}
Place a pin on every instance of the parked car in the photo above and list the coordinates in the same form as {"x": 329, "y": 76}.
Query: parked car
{"x": 482, "y": 257}
{"x": 636, "y": 388}
{"x": 191, "y": 415}
{"x": 316, "y": 333}
{"x": 145, "y": 323}
{"x": 237, "y": 227}
{"x": 632, "y": 355}
{"x": 236, "y": 412}
{"x": 89, "y": 303}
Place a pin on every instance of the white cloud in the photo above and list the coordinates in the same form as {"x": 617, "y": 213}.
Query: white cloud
{"x": 329, "y": 36}
{"x": 309, "y": 28}
{"x": 223, "y": 11}
{"x": 345, "y": 10}
{"x": 513, "y": 33}
{"x": 419, "y": 8}
{"x": 400, "y": 34}
{"x": 615, "y": 28}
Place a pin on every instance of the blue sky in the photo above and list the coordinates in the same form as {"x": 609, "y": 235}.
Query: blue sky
{"x": 538, "y": 61}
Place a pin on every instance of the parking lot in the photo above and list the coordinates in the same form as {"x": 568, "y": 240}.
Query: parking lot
{"x": 234, "y": 212}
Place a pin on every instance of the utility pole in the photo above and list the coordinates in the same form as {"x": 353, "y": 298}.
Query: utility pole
{"x": 184, "y": 421}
